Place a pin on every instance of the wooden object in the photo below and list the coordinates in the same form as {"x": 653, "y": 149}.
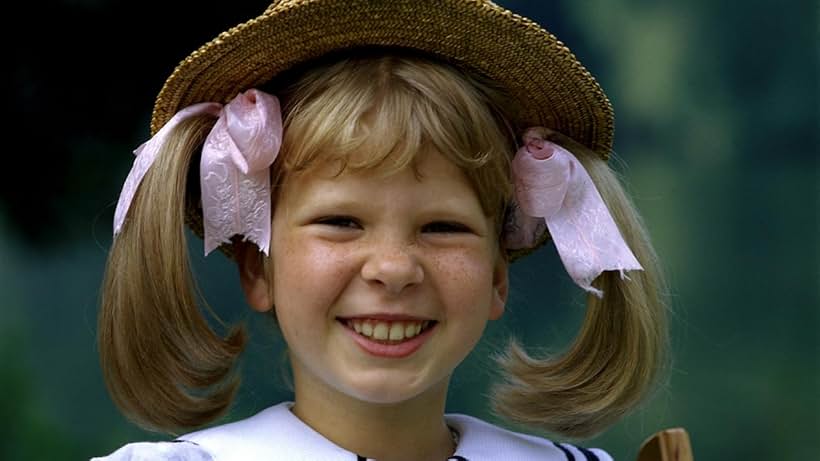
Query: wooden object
{"x": 667, "y": 445}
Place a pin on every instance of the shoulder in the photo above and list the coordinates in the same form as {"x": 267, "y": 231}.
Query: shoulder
{"x": 247, "y": 439}
{"x": 158, "y": 451}
{"x": 272, "y": 434}
{"x": 481, "y": 440}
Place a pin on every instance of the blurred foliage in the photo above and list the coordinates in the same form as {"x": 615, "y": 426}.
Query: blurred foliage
{"x": 717, "y": 139}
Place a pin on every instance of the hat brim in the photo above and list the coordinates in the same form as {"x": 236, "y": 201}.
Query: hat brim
{"x": 550, "y": 85}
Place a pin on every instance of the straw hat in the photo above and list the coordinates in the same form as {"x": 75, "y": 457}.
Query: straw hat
{"x": 549, "y": 86}
{"x": 552, "y": 88}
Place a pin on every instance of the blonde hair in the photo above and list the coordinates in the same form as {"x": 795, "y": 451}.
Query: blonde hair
{"x": 164, "y": 366}
{"x": 381, "y": 112}
{"x": 167, "y": 369}
{"x": 619, "y": 354}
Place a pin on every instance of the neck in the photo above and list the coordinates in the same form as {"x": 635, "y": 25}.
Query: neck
{"x": 409, "y": 430}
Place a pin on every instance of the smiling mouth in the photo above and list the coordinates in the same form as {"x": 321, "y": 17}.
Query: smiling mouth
{"x": 388, "y": 332}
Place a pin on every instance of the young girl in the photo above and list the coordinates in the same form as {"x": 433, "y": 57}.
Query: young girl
{"x": 373, "y": 167}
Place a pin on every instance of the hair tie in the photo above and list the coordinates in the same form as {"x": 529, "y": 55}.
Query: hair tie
{"x": 234, "y": 169}
{"x": 553, "y": 191}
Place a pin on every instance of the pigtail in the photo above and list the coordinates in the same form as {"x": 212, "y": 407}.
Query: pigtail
{"x": 165, "y": 368}
{"x": 617, "y": 356}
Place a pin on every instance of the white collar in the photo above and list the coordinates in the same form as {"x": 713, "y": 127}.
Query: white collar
{"x": 277, "y": 434}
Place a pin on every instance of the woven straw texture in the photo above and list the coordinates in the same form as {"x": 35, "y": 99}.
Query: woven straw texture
{"x": 553, "y": 88}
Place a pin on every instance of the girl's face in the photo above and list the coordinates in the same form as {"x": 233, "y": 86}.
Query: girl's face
{"x": 383, "y": 284}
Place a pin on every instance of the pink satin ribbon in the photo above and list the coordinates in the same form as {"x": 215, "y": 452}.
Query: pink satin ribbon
{"x": 234, "y": 169}
{"x": 553, "y": 191}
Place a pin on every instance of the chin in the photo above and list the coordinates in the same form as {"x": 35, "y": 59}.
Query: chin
{"x": 393, "y": 391}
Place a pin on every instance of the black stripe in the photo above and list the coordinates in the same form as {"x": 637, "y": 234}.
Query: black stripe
{"x": 360, "y": 458}
{"x": 569, "y": 455}
{"x": 590, "y": 455}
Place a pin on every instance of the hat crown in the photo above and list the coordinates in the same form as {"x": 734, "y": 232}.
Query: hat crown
{"x": 547, "y": 84}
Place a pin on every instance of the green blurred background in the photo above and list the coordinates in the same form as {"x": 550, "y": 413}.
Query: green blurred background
{"x": 717, "y": 139}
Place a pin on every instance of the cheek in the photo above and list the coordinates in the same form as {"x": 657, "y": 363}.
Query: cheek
{"x": 465, "y": 280}
{"x": 307, "y": 278}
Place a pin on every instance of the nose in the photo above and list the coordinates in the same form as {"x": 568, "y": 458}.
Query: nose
{"x": 395, "y": 268}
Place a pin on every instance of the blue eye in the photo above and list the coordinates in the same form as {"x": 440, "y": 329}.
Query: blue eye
{"x": 445, "y": 227}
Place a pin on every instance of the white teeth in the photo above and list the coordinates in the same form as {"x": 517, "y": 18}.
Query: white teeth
{"x": 380, "y": 331}
{"x": 384, "y": 330}
{"x": 396, "y": 331}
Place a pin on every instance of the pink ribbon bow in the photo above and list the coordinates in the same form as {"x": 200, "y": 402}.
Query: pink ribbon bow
{"x": 553, "y": 190}
{"x": 234, "y": 169}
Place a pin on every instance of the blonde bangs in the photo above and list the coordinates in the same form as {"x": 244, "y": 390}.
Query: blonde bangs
{"x": 381, "y": 113}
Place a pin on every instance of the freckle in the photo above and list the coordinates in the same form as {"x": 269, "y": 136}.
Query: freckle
{"x": 460, "y": 273}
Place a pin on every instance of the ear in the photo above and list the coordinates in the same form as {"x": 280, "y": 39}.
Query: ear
{"x": 500, "y": 288}
{"x": 253, "y": 276}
